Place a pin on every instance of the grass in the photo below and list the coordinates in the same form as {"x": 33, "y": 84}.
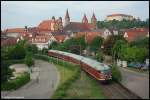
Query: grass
{"x": 74, "y": 84}
{"x": 65, "y": 73}
{"x": 138, "y": 70}
{"x": 84, "y": 88}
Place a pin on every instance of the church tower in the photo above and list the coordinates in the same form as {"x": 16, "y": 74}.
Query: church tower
{"x": 67, "y": 18}
{"x": 94, "y": 21}
{"x": 84, "y": 20}
{"x": 53, "y": 24}
{"x": 60, "y": 24}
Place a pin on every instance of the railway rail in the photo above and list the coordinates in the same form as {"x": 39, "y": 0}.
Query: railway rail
{"x": 114, "y": 90}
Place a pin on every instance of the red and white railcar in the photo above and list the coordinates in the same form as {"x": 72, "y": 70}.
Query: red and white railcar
{"x": 98, "y": 70}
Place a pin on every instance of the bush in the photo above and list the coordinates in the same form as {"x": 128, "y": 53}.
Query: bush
{"x": 10, "y": 62}
{"x": 6, "y": 72}
{"x": 17, "y": 83}
{"x": 29, "y": 60}
{"x": 43, "y": 57}
{"x": 99, "y": 56}
{"x": 116, "y": 74}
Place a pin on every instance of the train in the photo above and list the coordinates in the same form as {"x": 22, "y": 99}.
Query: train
{"x": 100, "y": 71}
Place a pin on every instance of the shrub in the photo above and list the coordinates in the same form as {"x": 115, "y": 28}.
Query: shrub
{"x": 37, "y": 56}
{"x": 116, "y": 74}
{"x": 17, "y": 83}
{"x": 29, "y": 60}
{"x": 6, "y": 72}
{"x": 99, "y": 56}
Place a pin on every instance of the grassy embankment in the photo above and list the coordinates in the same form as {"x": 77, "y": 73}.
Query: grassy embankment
{"x": 73, "y": 82}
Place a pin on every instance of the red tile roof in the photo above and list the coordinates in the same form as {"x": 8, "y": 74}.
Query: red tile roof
{"x": 134, "y": 34}
{"x": 60, "y": 38}
{"x": 14, "y": 30}
{"x": 79, "y": 27}
{"x": 80, "y": 34}
{"x": 91, "y": 35}
{"x": 46, "y": 24}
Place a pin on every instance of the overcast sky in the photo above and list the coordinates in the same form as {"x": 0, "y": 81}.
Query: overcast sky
{"x": 31, "y": 13}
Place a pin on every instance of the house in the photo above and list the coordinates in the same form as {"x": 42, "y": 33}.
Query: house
{"x": 61, "y": 37}
{"x": 41, "y": 41}
{"x": 52, "y": 24}
{"x": 8, "y": 41}
{"x": 119, "y": 17}
{"x": 13, "y": 32}
{"x": 135, "y": 34}
{"x": 89, "y": 37}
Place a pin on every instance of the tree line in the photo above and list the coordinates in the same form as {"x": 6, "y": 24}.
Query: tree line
{"x": 123, "y": 24}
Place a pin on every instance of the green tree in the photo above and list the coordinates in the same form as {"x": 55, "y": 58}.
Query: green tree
{"x": 141, "y": 43}
{"x": 6, "y": 72}
{"x": 31, "y": 48}
{"x": 53, "y": 45}
{"x": 18, "y": 52}
{"x": 45, "y": 51}
{"x": 29, "y": 60}
{"x": 66, "y": 46}
{"x": 118, "y": 47}
{"x": 123, "y": 24}
{"x": 96, "y": 44}
{"x": 99, "y": 56}
{"x": 135, "y": 54}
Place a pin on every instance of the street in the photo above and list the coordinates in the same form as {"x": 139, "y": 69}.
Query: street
{"x": 136, "y": 82}
{"x": 44, "y": 81}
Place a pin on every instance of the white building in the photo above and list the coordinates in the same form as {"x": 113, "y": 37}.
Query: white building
{"x": 119, "y": 17}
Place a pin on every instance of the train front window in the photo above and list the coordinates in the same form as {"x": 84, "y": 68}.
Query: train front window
{"x": 105, "y": 71}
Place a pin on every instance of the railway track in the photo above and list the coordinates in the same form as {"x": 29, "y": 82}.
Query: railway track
{"x": 115, "y": 91}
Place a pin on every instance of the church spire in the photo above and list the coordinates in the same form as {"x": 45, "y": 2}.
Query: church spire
{"x": 67, "y": 14}
{"x": 94, "y": 21}
{"x": 67, "y": 18}
{"x": 93, "y": 17}
{"x": 84, "y": 20}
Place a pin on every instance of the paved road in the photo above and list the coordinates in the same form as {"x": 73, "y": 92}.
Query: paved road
{"x": 136, "y": 82}
{"x": 45, "y": 79}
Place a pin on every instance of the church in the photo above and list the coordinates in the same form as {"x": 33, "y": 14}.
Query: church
{"x": 56, "y": 25}
{"x": 55, "y": 30}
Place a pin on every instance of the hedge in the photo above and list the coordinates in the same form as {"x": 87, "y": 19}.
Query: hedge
{"x": 116, "y": 74}
{"x": 10, "y": 62}
{"x": 16, "y": 83}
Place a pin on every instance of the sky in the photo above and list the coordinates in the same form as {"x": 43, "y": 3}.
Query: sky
{"x": 16, "y": 14}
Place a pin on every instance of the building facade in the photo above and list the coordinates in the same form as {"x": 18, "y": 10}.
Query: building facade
{"x": 119, "y": 17}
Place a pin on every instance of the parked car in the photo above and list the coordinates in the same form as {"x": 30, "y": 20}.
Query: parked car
{"x": 145, "y": 67}
{"x": 134, "y": 65}
{"x": 138, "y": 65}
